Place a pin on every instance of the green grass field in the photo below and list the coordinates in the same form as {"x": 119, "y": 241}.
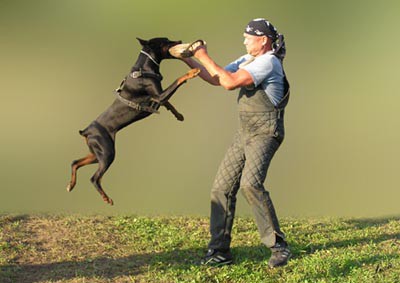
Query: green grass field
{"x": 42, "y": 248}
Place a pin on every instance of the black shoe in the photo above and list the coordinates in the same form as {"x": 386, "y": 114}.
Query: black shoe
{"x": 217, "y": 258}
{"x": 280, "y": 255}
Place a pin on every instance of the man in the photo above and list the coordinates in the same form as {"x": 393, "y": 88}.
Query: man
{"x": 263, "y": 95}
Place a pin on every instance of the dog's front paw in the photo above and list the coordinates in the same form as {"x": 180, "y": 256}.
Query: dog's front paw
{"x": 193, "y": 73}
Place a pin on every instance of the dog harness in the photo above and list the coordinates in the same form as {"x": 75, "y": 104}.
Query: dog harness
{"x": 154, "y": 103}
{"x": 139, "y": 73}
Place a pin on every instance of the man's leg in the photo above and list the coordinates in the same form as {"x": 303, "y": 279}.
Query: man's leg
{"x": 223, "y": 203}
{"x": 259, "y": 152}
{"x": 223, "y": 195}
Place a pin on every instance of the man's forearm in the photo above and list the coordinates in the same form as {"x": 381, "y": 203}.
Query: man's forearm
{"x": 204, "y": 74}
{"x": 224, "y": 77}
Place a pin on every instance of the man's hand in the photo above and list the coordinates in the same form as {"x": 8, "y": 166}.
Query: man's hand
{"x": 186, "y": 50}
{"x": 200, "y": 51}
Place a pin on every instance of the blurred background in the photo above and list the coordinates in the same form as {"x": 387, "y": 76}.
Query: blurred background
{"x": 61, "y": 60}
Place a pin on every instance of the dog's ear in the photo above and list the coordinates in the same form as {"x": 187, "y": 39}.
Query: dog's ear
{"x": 142, "y": 41}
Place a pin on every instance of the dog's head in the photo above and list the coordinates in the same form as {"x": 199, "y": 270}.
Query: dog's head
{"x": 158, "y": 47}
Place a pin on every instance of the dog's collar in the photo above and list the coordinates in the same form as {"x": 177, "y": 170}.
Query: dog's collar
{"x": 151, "y": 58}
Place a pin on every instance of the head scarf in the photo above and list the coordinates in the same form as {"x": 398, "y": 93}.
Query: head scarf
{"x": 262, "y": 27}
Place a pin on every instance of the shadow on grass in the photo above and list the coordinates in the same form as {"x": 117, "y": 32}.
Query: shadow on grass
{"x": 101, "y": 267}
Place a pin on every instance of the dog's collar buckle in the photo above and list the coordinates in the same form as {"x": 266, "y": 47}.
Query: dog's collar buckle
{"x": 136, "y": 74}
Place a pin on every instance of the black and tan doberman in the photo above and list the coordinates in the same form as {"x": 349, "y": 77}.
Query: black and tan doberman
{"x": 139, "y": 95}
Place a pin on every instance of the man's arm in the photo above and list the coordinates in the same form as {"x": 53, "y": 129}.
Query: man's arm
{"x": 204, "y": 74}
{"x": 226, "y": 79}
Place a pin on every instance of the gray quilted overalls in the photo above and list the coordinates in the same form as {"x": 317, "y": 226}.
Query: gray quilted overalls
{"x": 245, "y": 165}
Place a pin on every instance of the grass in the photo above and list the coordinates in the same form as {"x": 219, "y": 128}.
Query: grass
{"x": 43, "y": 248}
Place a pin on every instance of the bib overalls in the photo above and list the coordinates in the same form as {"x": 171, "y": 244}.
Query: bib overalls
{"x": 245, "y": 166}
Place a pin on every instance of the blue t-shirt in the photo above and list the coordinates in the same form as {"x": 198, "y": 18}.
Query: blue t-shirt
{"x": 266, "y": 70}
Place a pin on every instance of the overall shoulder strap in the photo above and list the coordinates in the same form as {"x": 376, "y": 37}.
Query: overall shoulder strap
{"x": 286, "y": 88}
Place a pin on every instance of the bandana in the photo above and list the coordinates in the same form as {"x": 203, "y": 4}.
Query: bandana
{"x": 260, "y": 27}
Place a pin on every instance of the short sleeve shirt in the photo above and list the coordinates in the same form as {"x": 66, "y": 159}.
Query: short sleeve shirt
{"x": 266, "y": 70}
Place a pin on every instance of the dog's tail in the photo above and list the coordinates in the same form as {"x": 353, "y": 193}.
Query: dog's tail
{"x": 94, "y": 129}
{"x": 84, "y": 132}
{"x": 90, "y": 129}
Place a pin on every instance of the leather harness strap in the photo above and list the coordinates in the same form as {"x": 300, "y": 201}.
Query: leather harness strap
{"x": 152, "y": 108}
{"x": 154, "y": 104}
{"x": 139, "y": 73}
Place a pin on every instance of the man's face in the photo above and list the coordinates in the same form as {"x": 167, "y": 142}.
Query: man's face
{"x": 254, "y": 44}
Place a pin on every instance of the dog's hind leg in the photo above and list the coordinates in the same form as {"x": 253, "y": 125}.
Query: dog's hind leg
{"x": 76, "y": 164}
{"x": 96, "y": 180}
{"x": 105, "y": 154}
